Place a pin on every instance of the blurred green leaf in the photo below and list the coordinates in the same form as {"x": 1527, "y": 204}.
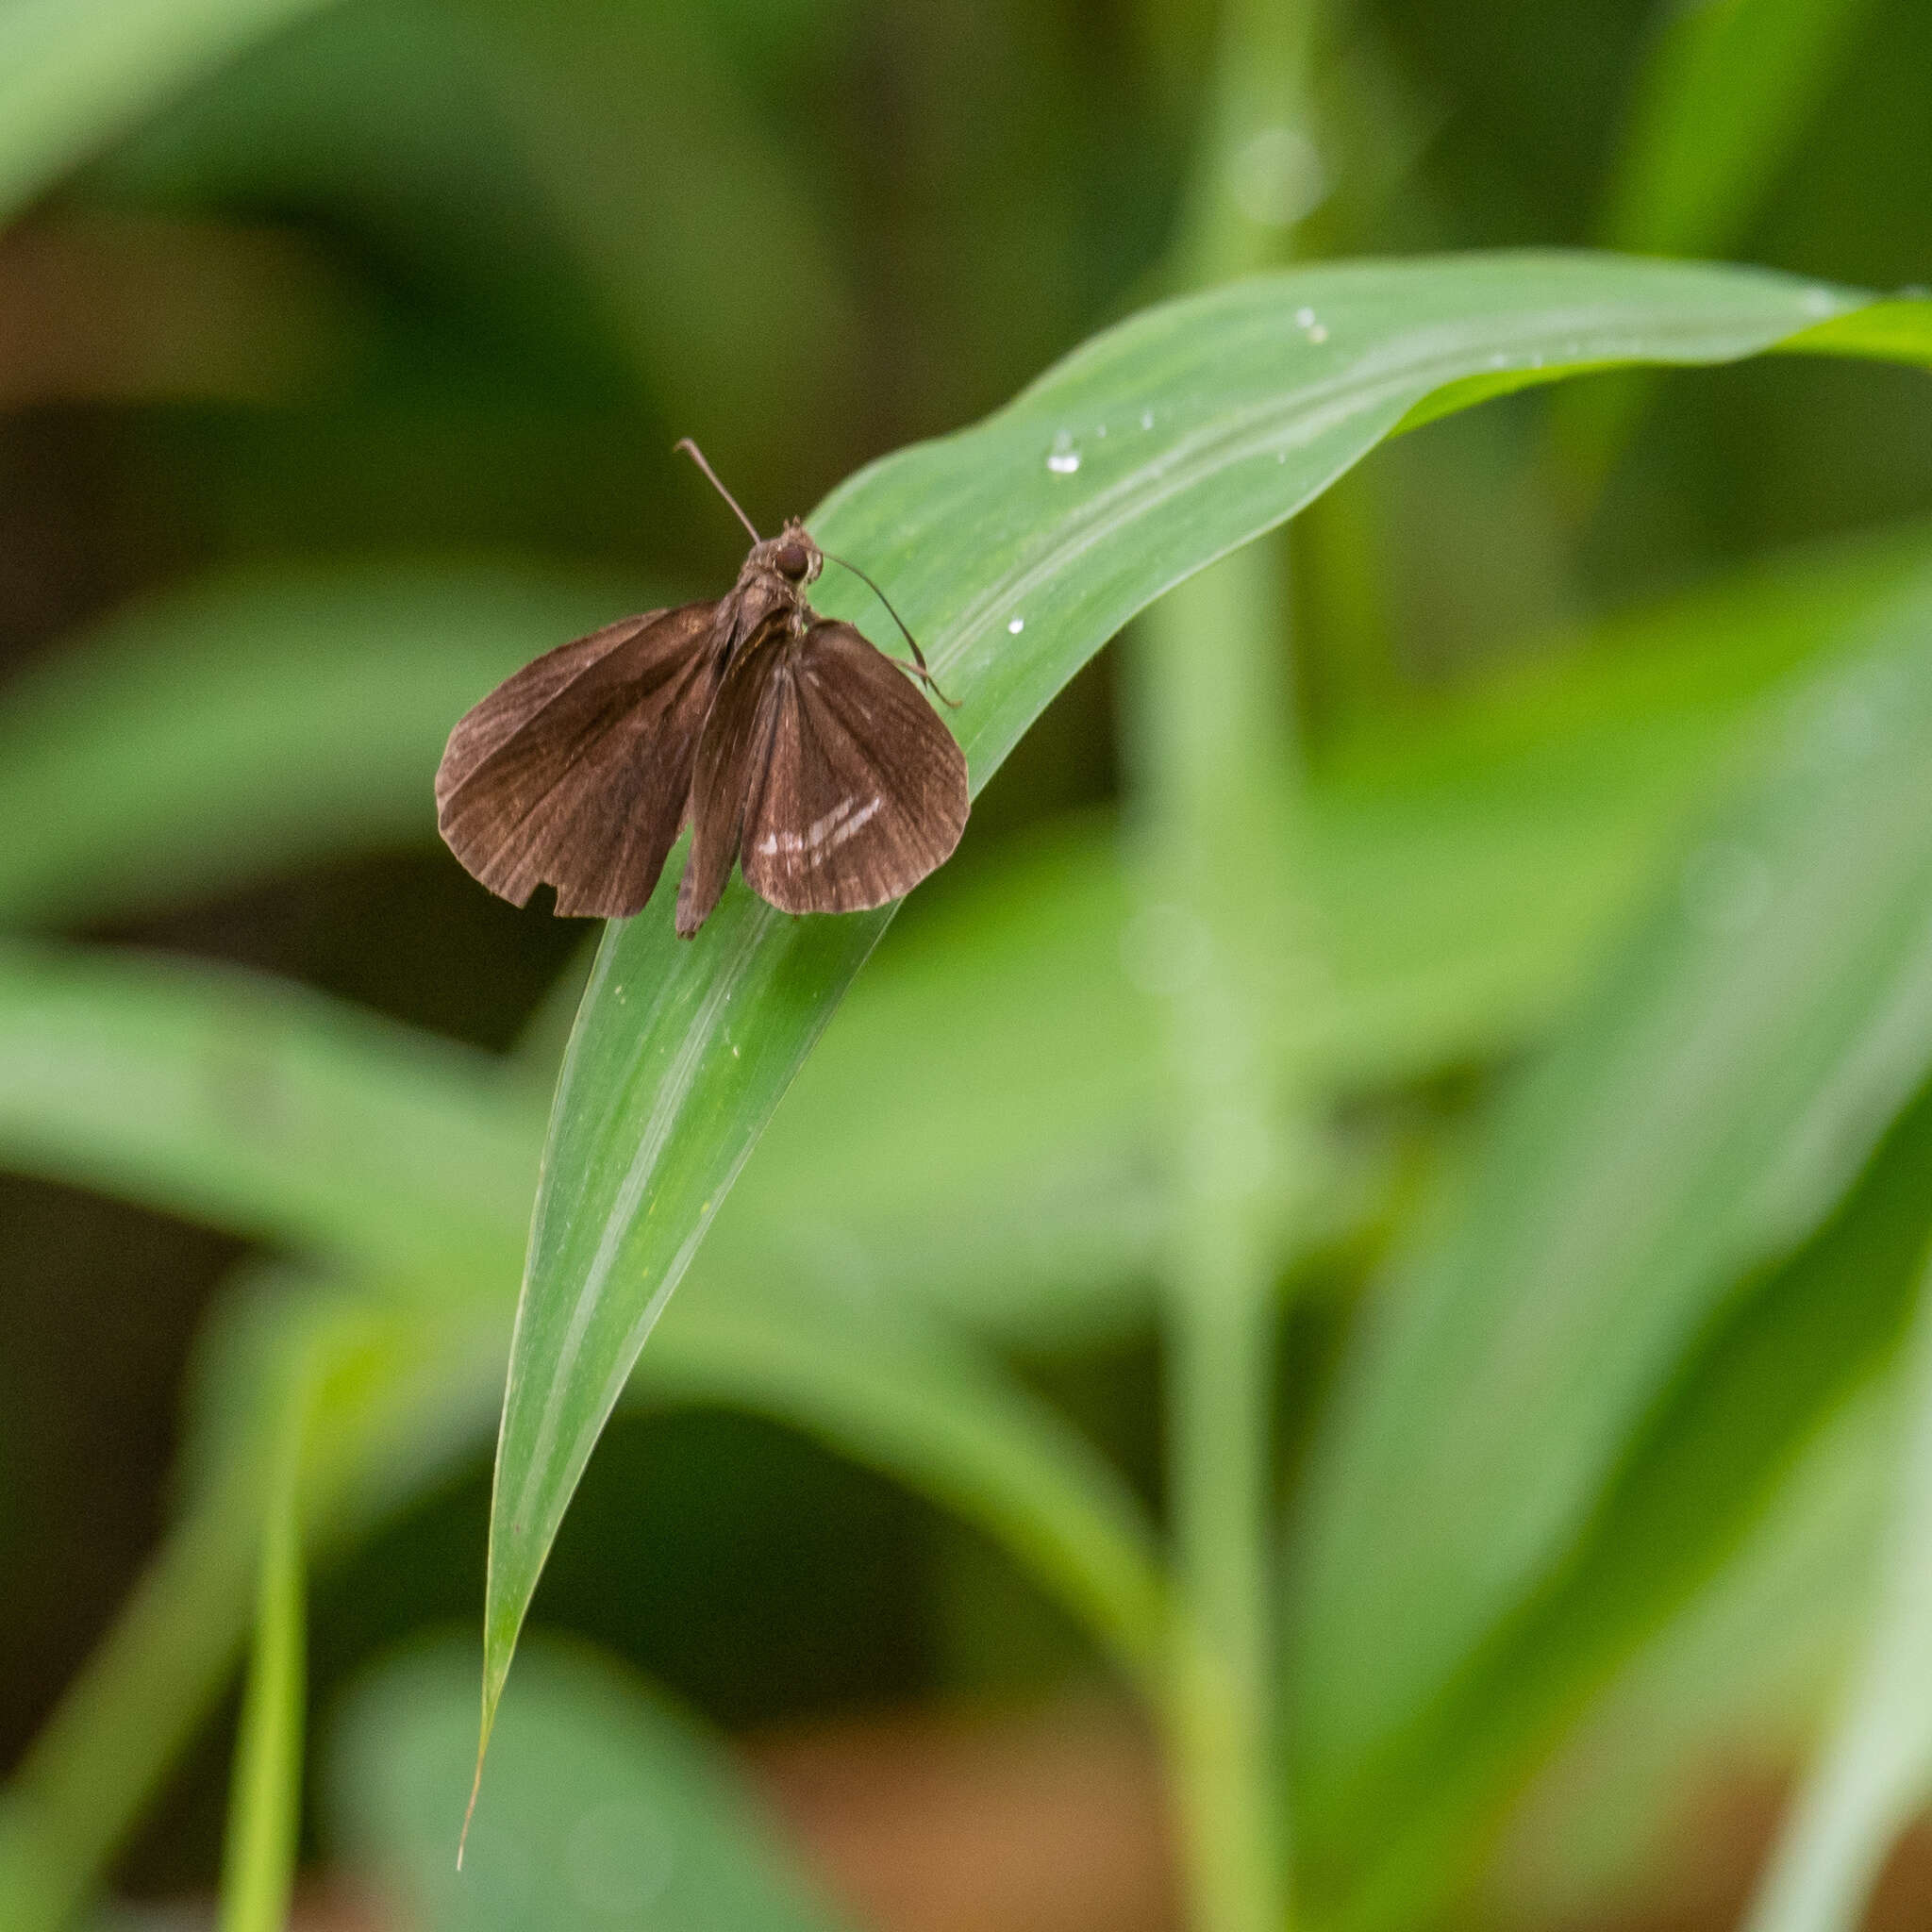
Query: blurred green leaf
{"x": 1743, "y": 1673}
{"x": 1155, "y": 448}
{"x": 1778, "y": 1365}
{"x": 1899, "y": 330}
{"x": 74, "y": 74}
{"x": 694, "y": 224}
{"x": 121, "y": 1723}
{"x": 394, "y": 1391}
{"x": 1696, "y": 1121}
{"x": 246, "y": 724}
{"x": 605, "y": 1808}
{"x": 267, "y": 1109}
{"x": 1721, "y": 103}
{"x": 1876, "y": 1767}
{"x": 1580, "y": 768}
{"x": 410, "y": 1384}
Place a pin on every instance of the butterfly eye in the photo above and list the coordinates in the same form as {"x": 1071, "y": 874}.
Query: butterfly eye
{"x": 793, "y": 561}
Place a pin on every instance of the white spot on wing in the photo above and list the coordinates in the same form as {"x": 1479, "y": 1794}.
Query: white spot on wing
{"x": 824, "y": 836}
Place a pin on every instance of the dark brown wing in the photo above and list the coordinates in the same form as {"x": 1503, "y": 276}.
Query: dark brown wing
{"x": 861, "y": 791}
{"x": 577, "y": 771}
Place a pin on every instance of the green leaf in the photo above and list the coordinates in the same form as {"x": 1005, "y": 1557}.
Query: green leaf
{"x": 248, "y": 725}
{"x": 1877, "y": 1768}
{"x": 1721, "y": 108}
{"x": 1696, "y": 1121}
{"x": 76, "y": 74}
{"x": 263, "y": 1108}
{"x": 1782, "y": 1363}
{"x": 1222, "y": 415}
{"x": 1745, "y": 1671}
{"x": 607, "y": 1807}
{"x": 1724, "y": 99}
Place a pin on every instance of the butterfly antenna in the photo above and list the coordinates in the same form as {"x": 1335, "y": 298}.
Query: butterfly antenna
{"x": 697, "y": 455}
{"x": 918, "y": 656}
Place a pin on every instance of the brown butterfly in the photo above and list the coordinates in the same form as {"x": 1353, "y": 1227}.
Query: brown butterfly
{"x": 792, "y": 745}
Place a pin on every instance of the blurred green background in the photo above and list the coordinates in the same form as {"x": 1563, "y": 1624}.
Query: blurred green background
{"x": 339, "y": 365}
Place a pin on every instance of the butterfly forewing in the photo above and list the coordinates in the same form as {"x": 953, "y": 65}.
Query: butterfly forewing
{"x": 861, "y": 791}
{"x": 577, "y": 771}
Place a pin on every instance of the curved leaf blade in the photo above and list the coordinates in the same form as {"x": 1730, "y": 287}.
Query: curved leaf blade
{"x": 1015, "y": 549}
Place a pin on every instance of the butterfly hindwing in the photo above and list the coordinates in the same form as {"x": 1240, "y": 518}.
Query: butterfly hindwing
{"x": 575, "y": 772}
{"x": 861, "y": 789}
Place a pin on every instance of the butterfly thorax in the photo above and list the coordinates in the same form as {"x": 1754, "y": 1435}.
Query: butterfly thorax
{"x": 769, "y": 596}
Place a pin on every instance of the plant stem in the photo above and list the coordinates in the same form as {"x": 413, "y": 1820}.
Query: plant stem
{"x": 265, "y": 1787}
{"x": 1210, "y": 926}
{"x": 1216, "y": 934}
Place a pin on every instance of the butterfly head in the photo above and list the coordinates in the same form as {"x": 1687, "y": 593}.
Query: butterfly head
{"x": 793, "y": 555}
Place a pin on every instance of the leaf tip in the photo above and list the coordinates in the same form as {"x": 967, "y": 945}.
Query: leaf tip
{"x": 469, "y": 1809}
{"x": 491, "y": 1692}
